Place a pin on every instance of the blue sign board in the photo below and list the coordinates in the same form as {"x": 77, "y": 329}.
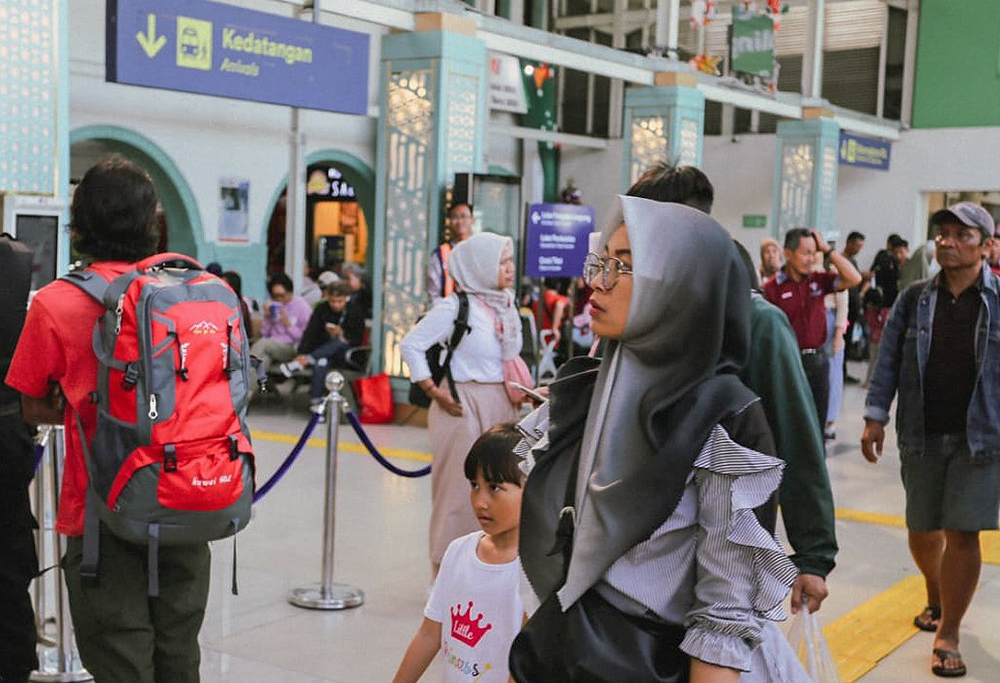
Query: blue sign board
{"x": 867, "y": 152}
{"x": 215, "y": 49}
{"x": 557, "y": 239}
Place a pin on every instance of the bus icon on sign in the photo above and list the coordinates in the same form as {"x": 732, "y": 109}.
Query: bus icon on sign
{"x": 194, "y": 43}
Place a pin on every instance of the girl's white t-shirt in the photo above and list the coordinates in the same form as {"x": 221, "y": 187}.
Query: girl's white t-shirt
{"x": 479, "y": 608}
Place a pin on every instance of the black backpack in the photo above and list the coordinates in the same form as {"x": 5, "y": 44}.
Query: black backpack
{"x": 441, "y": 370}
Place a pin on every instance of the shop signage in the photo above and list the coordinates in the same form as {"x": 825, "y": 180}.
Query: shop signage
{"x": 215, "y": 49}
{"x": 557, "y": 239}
{"x": 506, "y": 84}
{"x": 867, "y": 152}
{"x": 752, "y": 43}
{"x": 754, "y": 221}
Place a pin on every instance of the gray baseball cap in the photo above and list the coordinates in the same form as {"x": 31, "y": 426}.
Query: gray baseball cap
{"x": 969, "y": 214}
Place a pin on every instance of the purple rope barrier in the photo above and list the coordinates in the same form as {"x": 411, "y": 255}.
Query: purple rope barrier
{"x": 360, "y": 431}
{"x": 39, "y": 454}
{"x": 287, "y": 463}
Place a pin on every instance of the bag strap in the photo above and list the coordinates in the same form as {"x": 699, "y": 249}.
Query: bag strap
{"x": 165, "y": 258}
{"x": 567, "y": 522}
{"x": 458, "y": 332}
{"x": 90, "y": 282}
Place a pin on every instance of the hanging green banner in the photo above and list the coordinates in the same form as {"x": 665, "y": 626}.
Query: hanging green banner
{"x": 751, "y": 47}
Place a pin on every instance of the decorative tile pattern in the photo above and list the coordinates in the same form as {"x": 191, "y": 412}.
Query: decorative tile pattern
{"x": 463, "y": 105}
{"x": 797, "y": 163}
{"x": 649, "y": 144}
{"x": 408, "y": 128}
{"x": 29, "y": 83}
{"x": 687, "y": 152}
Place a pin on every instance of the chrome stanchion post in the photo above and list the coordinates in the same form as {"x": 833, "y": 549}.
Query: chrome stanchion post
{"x": 329, "y": 595}
{"x": 67, "y": 665}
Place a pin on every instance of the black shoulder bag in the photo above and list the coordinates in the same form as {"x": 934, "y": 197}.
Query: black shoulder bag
{"x": 593, "y": 641}
{"x": 441, "y": 370}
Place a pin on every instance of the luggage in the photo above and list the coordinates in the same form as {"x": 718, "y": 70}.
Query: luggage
{"x": 171, "y": 462}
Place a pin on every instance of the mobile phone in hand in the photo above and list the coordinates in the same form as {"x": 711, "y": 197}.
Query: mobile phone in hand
{"x": 530, "y": 393}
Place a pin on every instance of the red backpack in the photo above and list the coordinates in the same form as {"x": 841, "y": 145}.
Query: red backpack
{"x": 171, "y": 461}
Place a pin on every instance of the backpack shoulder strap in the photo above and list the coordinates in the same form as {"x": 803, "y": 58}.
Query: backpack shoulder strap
{"x": 461, "y": 327}
{"x": 90, "y": 282}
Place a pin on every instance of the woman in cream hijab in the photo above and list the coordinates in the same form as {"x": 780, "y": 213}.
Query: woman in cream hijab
{"x": 482, "y": 267}
{"x": 660, "y": 452}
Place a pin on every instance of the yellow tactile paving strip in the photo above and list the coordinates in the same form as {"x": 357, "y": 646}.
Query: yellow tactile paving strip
{"x": 343, "y": 446}
{"x": 989, "y": 541}
{"x": 872, "y": 630}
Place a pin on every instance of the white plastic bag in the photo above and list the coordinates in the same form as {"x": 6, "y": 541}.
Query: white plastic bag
{"x": 809, "y": 645}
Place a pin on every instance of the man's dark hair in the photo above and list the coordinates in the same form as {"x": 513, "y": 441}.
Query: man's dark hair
{"x": 677, "y": 184}
{"x": 902, "y": 243}
{"x": 795, "y": 236}
{"x": 855, "y": 235}
{"x": 279, "y": 279}
{"x": 748, "y": 264}
{"x": 458, "y": 204}
{"x": 234, "y": 280}
{"x": 338, "y": 288}
{"x": 113, "y": 215}
{"x": 493, "y": 453}
{"x": 894, "y": 241}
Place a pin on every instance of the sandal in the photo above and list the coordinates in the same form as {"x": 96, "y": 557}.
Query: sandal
{"x": 942, "y": 656}
{"x": 927, "y": 620}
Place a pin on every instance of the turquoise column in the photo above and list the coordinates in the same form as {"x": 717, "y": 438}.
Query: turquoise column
{"x": 432, "y": 125}
{"x": 805, "y": 182}
{"x": 663, "y": 123}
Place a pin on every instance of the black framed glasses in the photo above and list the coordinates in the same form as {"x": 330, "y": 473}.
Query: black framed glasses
{"x": 608, "y": 268}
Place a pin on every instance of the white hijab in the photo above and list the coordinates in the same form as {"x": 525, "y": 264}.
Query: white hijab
{"x": 474, "y": 264}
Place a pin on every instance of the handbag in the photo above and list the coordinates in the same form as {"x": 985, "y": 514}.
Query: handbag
{"x": 593, "y": 641}
{"x": 374, "y": 398}
{"x": 516, "y": 370}
{"x": 442, "y": 371}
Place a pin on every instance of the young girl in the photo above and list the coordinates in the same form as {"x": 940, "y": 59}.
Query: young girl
{"x": 475, "y": 610}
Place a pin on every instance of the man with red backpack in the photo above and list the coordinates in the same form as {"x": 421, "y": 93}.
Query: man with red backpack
{"x": 137, "y": 618}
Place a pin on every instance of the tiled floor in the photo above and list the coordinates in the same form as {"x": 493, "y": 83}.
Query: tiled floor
{"x": 380, "y": 547}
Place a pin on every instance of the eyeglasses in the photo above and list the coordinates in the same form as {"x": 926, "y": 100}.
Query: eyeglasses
{"x": 608, "y": 267}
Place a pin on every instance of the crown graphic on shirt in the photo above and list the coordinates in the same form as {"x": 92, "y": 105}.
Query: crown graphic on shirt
{"x": 464, "y": 628}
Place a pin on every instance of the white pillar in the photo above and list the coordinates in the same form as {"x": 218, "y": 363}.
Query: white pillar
{"x": 812, "y": 55}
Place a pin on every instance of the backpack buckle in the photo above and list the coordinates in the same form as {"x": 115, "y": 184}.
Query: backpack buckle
{"x": 131, "y": 376}
{"x": 169, "y": 458}
{"x": 234, "y": 449}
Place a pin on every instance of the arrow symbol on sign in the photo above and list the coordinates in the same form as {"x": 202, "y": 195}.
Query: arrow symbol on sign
{"x": 148, "y": 41}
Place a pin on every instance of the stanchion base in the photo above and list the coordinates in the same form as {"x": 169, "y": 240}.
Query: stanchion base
{"x": 340, "y": 596}
{"x": 67, "y": 677}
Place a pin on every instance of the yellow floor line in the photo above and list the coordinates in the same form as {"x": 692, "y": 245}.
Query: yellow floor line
{"x": 872, "y": 630}
{"x": 343, "y": 446}
{"x": 989, "y": 541}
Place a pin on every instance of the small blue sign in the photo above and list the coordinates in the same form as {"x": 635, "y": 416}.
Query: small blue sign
{"x": 557, "y": 239}
{"x": 867, "y": 152}
{"x": 215, "y": 49}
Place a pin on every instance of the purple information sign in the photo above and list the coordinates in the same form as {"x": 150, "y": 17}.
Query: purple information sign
{"x": 215, "y": 49}
{"x": 557, "y": 239}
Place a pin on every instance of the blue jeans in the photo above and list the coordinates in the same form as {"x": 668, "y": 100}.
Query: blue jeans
{"x": 332, "y": 354}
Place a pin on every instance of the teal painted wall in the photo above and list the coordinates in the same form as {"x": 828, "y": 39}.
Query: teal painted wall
{"x": 958, "y": 64}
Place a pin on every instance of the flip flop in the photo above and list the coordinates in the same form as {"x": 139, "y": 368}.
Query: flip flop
{"x": 943, "y": 655}
{"x": 927, "y": 620}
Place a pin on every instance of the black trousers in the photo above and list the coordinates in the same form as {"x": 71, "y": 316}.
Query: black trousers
{"x": 18, "y": 561}
{"x": 817, "y": 367}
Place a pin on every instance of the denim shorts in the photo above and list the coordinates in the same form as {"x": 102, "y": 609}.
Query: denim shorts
{"x": 946, "y": 490}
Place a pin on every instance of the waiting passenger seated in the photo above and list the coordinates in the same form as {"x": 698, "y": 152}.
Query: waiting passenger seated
{"x": 285, "y": 318}
{"x": 333, "y": 329}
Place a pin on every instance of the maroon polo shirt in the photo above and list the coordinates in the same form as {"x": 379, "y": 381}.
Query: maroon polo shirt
{"x": 802, "y": 302}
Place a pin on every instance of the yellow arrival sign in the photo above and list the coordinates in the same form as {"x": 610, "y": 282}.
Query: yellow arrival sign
{"x": 148, "y": 41}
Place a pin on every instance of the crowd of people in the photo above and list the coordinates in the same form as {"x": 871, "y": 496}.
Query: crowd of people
{"x": 623, "y": 527}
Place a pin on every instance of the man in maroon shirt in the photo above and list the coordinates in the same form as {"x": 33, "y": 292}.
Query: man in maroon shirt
{"x": 798, "y": 290}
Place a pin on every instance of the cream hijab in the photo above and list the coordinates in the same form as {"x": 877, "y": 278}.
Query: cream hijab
{"x": 474, "y": 264}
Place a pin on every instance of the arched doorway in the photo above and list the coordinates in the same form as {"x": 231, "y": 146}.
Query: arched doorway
{"x": 340, "y": 205}
{"x": 180, "y": 220}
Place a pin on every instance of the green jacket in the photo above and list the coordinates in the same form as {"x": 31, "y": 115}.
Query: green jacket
{"x": 774, "y": 372}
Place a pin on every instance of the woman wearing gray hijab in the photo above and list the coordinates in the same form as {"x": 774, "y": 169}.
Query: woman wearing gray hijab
{"x": 483, "y": 268}
{"x": 660, "y": 452}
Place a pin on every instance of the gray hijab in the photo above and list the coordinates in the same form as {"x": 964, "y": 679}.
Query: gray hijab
{"x": 661, "y": 387}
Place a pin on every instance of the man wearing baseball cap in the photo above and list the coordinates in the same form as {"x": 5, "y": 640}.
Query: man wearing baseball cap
{"x": 941, "y": 352}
